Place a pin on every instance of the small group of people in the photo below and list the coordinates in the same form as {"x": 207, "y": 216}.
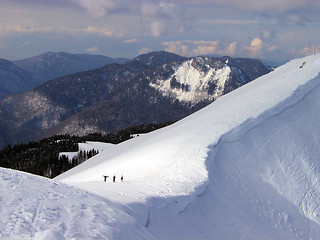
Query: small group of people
{"x": 113, "y": 178}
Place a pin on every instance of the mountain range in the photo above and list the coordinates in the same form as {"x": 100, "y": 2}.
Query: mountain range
{"x": 14, "y": 79}
{"x": 148, "y": 89}
{"x": 23, "y": 75}
{"x": 244, "y": 167}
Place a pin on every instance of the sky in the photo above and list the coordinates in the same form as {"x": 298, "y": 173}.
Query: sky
{"x": 272, "y": 30}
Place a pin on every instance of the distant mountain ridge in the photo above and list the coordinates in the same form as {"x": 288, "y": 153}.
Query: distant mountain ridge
{"x": 23, "y": 75}
{"x": 52, "y": 65}
{"x": 156, "y": 58}
{"x": 14, "y": 79}
{"x": 117, "y": 96}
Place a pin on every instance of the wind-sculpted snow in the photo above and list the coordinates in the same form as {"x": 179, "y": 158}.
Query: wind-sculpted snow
{"x": 226, "y": 172}
{"x": 245, "y": 167}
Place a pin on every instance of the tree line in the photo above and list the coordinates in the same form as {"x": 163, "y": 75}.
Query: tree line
{"x": 42, "y": 157}
{"x": 80, "y": 157}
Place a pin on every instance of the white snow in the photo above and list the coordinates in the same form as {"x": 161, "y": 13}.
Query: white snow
{"x": 70, "y": 155}
{"x": 197, "y": 82}
{"x": 136, "y": 135}
{"x": 34, "y": 207}
{"x": 87, "y": 146}
{"x": 90, "y": 145}
{"x": 245, "y": 167}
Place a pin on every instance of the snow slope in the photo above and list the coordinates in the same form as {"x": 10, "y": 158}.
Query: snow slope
{"x": 34, "y": 207}
{"x": 245, "y": 167}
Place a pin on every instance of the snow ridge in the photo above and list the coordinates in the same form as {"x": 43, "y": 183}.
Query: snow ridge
{"x": 299, "y": 172}
{"x": 245, "y": 167}
{"x": 185, "y": 169}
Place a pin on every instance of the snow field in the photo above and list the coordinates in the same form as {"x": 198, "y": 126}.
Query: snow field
{"x": 38, "y": 208}
{"x": 245, "y": 167}
{"x": 174, "y": 164}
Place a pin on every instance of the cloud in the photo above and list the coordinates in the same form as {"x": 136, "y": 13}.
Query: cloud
{"x": 255, "y": 47}
{"x": 26, "y": 43}
{"x": 283, "y": 11}
{"x": 97, "y": 8}
{"x": 63, "y": 3}
{"x": 101, "y": 31}
{"x": 93, "y": 50}
{"x": 157, "y": 29}
{"x": 292, "y": 18}
{"x": 196, "y": 48}
{"x": 32, "y": 29}
{"x": 273, "y": 48}
{"x": 162, "y": 18}
{"x": 260, "y": 49}
{"x": 130, "y": 40}
{"x": 266, "y": 33}
{"x": 160, "y": 10}
{"x": 256, "y": 43}
{"x": 205, "y": 47}
{"x": 58, "y": 30}
{"x": 192, "y": 48}
{"x": 231, "y": 49}
{"x": 261, "y": 5}
{"x": 305, "y": 51}
{"x": 144, "y": 51}
{"x": 178, "y": 47}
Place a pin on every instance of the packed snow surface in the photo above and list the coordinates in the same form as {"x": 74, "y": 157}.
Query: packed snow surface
{"x": 245, "y": 167}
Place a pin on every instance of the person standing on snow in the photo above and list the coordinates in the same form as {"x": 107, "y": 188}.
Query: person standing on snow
{"x": 105, "y": 177}
{"x": 114, "y": 178}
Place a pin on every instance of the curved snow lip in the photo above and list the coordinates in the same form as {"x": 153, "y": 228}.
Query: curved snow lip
{"x": 184, "y": 182}
{"x": 275, "y": 181}
{"x": 173, "y": 159}
{"x": 278, "y": 190}
{"x": 172, "y": 168}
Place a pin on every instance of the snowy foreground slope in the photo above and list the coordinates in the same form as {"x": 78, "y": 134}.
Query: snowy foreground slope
{"x": 34, "y": 207}
{"x": 245, "y": 167}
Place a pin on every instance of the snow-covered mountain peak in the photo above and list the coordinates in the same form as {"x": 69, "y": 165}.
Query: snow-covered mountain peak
{"x": 183, "y": 147}
{"x": 245, "y": 167}
{"x": 195, "y": 80}
{"x": 244, "y": 163}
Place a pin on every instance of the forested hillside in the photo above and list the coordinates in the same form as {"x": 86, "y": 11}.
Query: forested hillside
{"x": 42, "y": 157}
